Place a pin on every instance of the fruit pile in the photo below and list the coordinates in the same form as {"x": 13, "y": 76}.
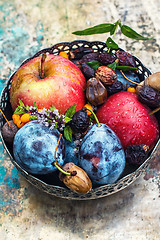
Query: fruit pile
{"x": 84, "y": 113}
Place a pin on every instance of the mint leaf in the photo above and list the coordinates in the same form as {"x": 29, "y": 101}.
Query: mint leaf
{"x": 130, "y": 33}
{"x": 67, "y": 119}
{"x": 126, "y": 68}
{"x": 68, "y": 133}
{"x": 101, "y": 28}
{"x": 112, "y": 65}
{"x": 71, "y": 111}
{"x": 111, "y": 44}
{"x": 94, "y": 64}
{"x": 19, "y": 110}
{"x": 21, "y": 104}
{"x": 52, "y": 108}
{"x": 34, "y": 117}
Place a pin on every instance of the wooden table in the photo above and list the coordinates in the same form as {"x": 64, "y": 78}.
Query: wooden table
{"x": 25, "y": 212}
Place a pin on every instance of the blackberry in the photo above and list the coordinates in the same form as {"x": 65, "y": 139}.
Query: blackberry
{"x": 80, "y": 121}
{"x": 136, "y": 154}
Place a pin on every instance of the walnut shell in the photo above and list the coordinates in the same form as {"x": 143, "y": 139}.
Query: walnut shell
{"x": 106, "y": 75}
{"x": 80, "y": 182}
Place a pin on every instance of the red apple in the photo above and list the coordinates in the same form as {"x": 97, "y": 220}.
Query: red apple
{"x": 129, "y": 119}
{"x": 63, "y": 84}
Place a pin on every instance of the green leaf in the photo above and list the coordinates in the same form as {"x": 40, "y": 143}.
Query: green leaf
{"x": 68, "y": 133}
{"x": 101, "y": 28}
{"x": 94, "y": 64}
{"x": 126, "y": 68}
{"x": 52, "y": 108}
{"x": 19, "y": 111}
{"x": 67, "y": 119}
{"x": 130, "y": 33}
{"x": 111, "y": 44}
{"x": 112, "y": 65}
{"x": 113, "y": 29}
{"x": 21, "y": 104}
{"x": 34, "y": 117}
{"x": 71, "y": 111}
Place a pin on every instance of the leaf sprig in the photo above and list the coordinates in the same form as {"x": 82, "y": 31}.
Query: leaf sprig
{"x": 111, "y": 28}
{"x": 49, "y": 117}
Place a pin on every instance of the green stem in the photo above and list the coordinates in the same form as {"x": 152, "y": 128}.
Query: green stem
{"x": 117, "y": 24}
{"x": 61, "y": 170}
{"x": 97, "y": 121}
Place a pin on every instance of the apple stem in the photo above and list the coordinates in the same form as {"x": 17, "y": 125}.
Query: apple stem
{"x": 44, "y": 55}
{"x": 128, "y": 78}
{"x": 154, "y": 111}
{"x": 55, "y": 163}
{"x": 6, "y": 119}
{"x": 97, "y": 121}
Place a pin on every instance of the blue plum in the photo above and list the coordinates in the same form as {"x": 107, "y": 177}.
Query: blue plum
{"x": 101, "y": 155}
{"x": 131, "y": 75}
{"x": 71, "y": 154}
{"x": 34, "y": 148}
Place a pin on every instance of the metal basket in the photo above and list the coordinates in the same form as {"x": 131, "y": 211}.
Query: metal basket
{"x": 129, "y": 176}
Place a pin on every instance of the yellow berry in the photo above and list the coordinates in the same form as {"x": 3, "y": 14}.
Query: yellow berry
{"x": 25, "y": 118}
{"x": 131, "y": 89}
{"x": 63, "y": 54}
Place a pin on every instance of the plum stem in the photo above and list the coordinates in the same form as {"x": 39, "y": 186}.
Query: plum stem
{"x": 97, "y": 121}
{"x": 44, "y": 55}
{"x": 55, "y": 163}
{"x": 154, "y": 111}
{"x": 6, "y": 119}
{"x": 128, "y": 78}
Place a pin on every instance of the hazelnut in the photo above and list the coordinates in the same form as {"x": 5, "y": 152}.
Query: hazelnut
{"x": 106, "y": 75}
{"x": 78, "y": 181}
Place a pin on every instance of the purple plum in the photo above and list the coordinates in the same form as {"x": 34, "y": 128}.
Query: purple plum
{"x": 101, "y": 155}
{"x": 34, "y": 148}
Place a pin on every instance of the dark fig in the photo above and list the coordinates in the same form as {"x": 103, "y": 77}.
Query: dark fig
{"x": 136, "y": 154}
{"x": 78, "y": 53}
{"x": 96, "y": 92}
{"x": 106, "y": 58}
{"x": 87, "y": 71}
{"x": 90, "y": 57}
{"x": 149, "y": 96}
{"x": 8, "y": 132}
{"x": 125, "y": 59}
{"x": 80, "y": 121}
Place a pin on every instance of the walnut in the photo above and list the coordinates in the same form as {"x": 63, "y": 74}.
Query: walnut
{"x": 106, "y": 75}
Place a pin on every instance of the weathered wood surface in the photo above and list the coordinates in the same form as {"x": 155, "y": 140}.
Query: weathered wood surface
{"x": 25, "y": 212}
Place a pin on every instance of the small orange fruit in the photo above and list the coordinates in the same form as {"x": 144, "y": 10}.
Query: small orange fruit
{"x": 90, "y": 107}
{"x": 131, "y": 89}
{"x": 16, "y": 118}
{"x": 20, "y": 124}
{"x": 25, "y": 118}
{"x": 63, "y": 54}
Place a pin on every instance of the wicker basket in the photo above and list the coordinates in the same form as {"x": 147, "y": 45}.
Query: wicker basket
{"x": 55, "y": 188}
